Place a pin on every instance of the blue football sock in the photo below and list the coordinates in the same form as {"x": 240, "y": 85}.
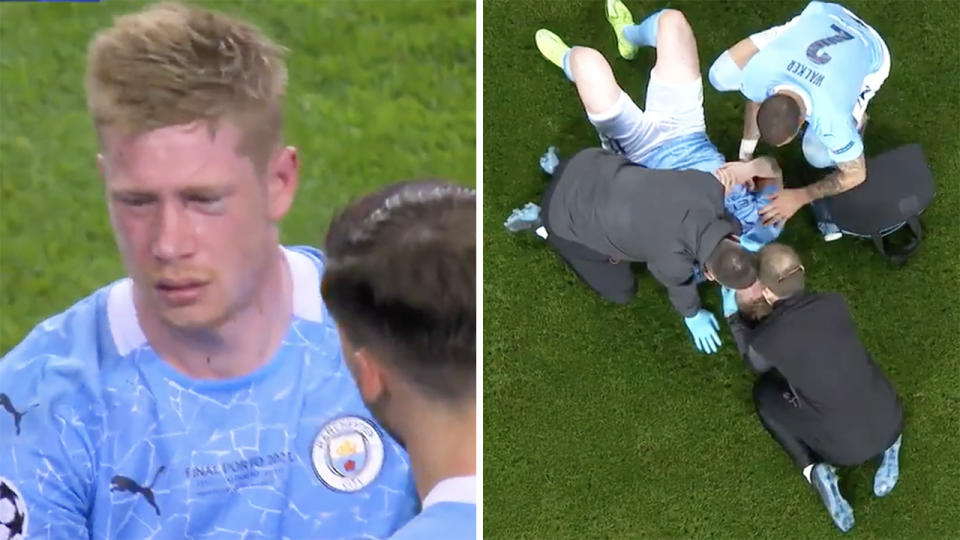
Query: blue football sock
{"x": 645, "y": 33}
{"x": 566, "y": 64}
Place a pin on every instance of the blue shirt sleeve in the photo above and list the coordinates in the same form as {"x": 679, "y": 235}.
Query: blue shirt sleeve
{"x": 840, "y": 136}
{"x": 47, "y": 452}
{"x": 755, "y": 84}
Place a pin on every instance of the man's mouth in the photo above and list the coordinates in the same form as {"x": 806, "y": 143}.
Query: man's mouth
{"x": 180, "y": 292}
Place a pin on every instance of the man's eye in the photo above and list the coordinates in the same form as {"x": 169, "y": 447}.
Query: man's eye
{"x": 137, "y": 201}
{"x": 209, "y": 203}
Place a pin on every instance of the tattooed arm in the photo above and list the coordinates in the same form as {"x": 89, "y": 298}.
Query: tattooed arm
{"x": 849, "y": 175}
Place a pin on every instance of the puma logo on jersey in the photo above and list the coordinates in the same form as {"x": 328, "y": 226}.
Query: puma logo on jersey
{"x": 17, "y": 415}
{"x": 122, "y": 483}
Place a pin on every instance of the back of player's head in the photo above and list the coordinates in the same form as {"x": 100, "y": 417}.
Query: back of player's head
{"x": 780, "y": 269}
{"x": 172, "y": 64}
{"x": 401, "y": 280}
{"x": 731, "y": 265}
{"x": 778, "y": 119}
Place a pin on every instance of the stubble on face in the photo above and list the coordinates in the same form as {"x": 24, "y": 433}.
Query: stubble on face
{"x": 194, "y": 241}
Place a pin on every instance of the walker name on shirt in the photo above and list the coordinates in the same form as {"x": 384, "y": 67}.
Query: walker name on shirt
{"x": 804, "y": 72}
{"x": 259, "y": 470}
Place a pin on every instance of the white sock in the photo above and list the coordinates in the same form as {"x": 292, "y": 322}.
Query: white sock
{"x": 806, "y": 472}
{"x": 541, "y": 232}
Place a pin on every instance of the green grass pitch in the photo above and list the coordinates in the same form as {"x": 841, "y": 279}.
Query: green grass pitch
{"x": 602, "y": 421}
{"x": 379, "y": 92}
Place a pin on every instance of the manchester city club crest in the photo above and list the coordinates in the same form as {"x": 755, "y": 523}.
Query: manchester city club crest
{"x": 347, "y": 454}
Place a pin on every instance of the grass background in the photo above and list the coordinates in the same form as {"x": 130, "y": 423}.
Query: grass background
{"x": 603, "y": 421}
{"x": 379, "y": 92}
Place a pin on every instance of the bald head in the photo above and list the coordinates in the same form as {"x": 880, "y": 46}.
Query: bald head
{"x": 780, "y": 270}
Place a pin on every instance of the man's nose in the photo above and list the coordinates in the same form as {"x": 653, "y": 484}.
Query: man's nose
{"x": 174, "y": 236}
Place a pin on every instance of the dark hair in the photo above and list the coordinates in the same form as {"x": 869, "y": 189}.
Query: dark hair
{"x": 781, "y": 269}
{"x": 778, "y": 119}
{"x": 733, "y": 266}
{"x": 401, "y": 279}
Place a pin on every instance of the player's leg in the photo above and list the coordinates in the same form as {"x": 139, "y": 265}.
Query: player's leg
{"x": 597, "y": 87}
{"x": 620, "y": 123}
{"x": 612, "y": 280}
{"x": 774, "y": 402}
{"x": 674, "y": 100}
{"x": 779, "y": 411}
{"x": 671, "y": 34}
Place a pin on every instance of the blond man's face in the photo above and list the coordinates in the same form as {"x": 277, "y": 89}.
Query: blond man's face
{"x": 194, "y": 222}
{"x": 751, "y": 294}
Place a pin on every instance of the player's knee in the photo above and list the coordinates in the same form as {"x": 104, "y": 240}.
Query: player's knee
{"x": 673, "y": 22}
{"x": 584, "y": 59}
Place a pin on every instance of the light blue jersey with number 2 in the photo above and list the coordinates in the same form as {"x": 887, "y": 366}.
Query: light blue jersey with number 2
{"x": 825, "y": 52}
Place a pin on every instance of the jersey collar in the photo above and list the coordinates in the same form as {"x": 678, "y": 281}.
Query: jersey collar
{"x": 128, "y": 335}
{"x": 807, "y": 102}
{"x": 459, "y": 489}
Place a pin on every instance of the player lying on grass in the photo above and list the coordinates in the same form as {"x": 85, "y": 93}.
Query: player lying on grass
{"x": 604, "y": 213}
{"x": 819, "y": 393}
{"x": 821, "y": 68}
{"x": 205, "y": 395}
{"x": 401, "y": 282}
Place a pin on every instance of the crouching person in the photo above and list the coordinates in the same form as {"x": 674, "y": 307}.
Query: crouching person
{"x": 819, "y": 394}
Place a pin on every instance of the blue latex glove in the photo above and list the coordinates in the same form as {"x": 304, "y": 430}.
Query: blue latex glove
{"x": 729, "y": 301}
{"x": 703, "y": 328}
{"x": 550, "y": 160}
{"x": 524, "y": 218}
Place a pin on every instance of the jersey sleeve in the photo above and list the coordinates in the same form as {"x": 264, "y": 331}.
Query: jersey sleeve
{"x": 46, "y": 448}
{"x": 755, "y": 82}
{"x": 676, "y": 274}
{"x": 766, "y": 37}
{"x": 841, "y": 138}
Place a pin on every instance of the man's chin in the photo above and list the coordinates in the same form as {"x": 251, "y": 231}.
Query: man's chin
{"x": 193, "y": 318}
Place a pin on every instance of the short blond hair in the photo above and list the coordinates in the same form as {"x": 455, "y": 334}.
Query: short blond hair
{"x": 173, "y": 64}
{"x": 780, "y": 269}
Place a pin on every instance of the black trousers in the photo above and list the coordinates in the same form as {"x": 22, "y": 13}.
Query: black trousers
{"x": 781, "y": 413}
{"x": 613, "y": 280}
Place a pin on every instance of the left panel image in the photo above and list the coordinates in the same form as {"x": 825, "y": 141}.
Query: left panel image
{"x": 238, "y": 270}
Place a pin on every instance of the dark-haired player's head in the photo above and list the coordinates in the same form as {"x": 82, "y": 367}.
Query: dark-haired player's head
{"x": 401, "y": 283}
{"x": 731, "y": 265}
{"x": 781, "y": 272}
{"x": 779, "y": 119}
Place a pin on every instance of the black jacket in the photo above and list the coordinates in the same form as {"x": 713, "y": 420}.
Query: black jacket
{"x": 670, "y": 220}
{"x": 811, "y": 339}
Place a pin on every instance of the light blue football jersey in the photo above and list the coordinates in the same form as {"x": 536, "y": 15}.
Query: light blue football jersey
{"x": 104, "y": 439}
{"x": 691, "y": 151}
{"x": 824, "y": 54}
{"x": 449, "y": 513}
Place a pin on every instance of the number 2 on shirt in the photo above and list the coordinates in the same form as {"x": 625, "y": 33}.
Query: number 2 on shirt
{"x": 813, "y": 51}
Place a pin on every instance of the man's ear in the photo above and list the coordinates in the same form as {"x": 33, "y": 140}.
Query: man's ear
{"x": 369, "y": 374}
{"x": 102, "y": 166}
{"x": 282, "y": 181}
{"x": 769, "y": 296}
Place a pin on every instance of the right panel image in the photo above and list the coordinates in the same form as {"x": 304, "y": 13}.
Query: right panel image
{"x": 720, "y": 262}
